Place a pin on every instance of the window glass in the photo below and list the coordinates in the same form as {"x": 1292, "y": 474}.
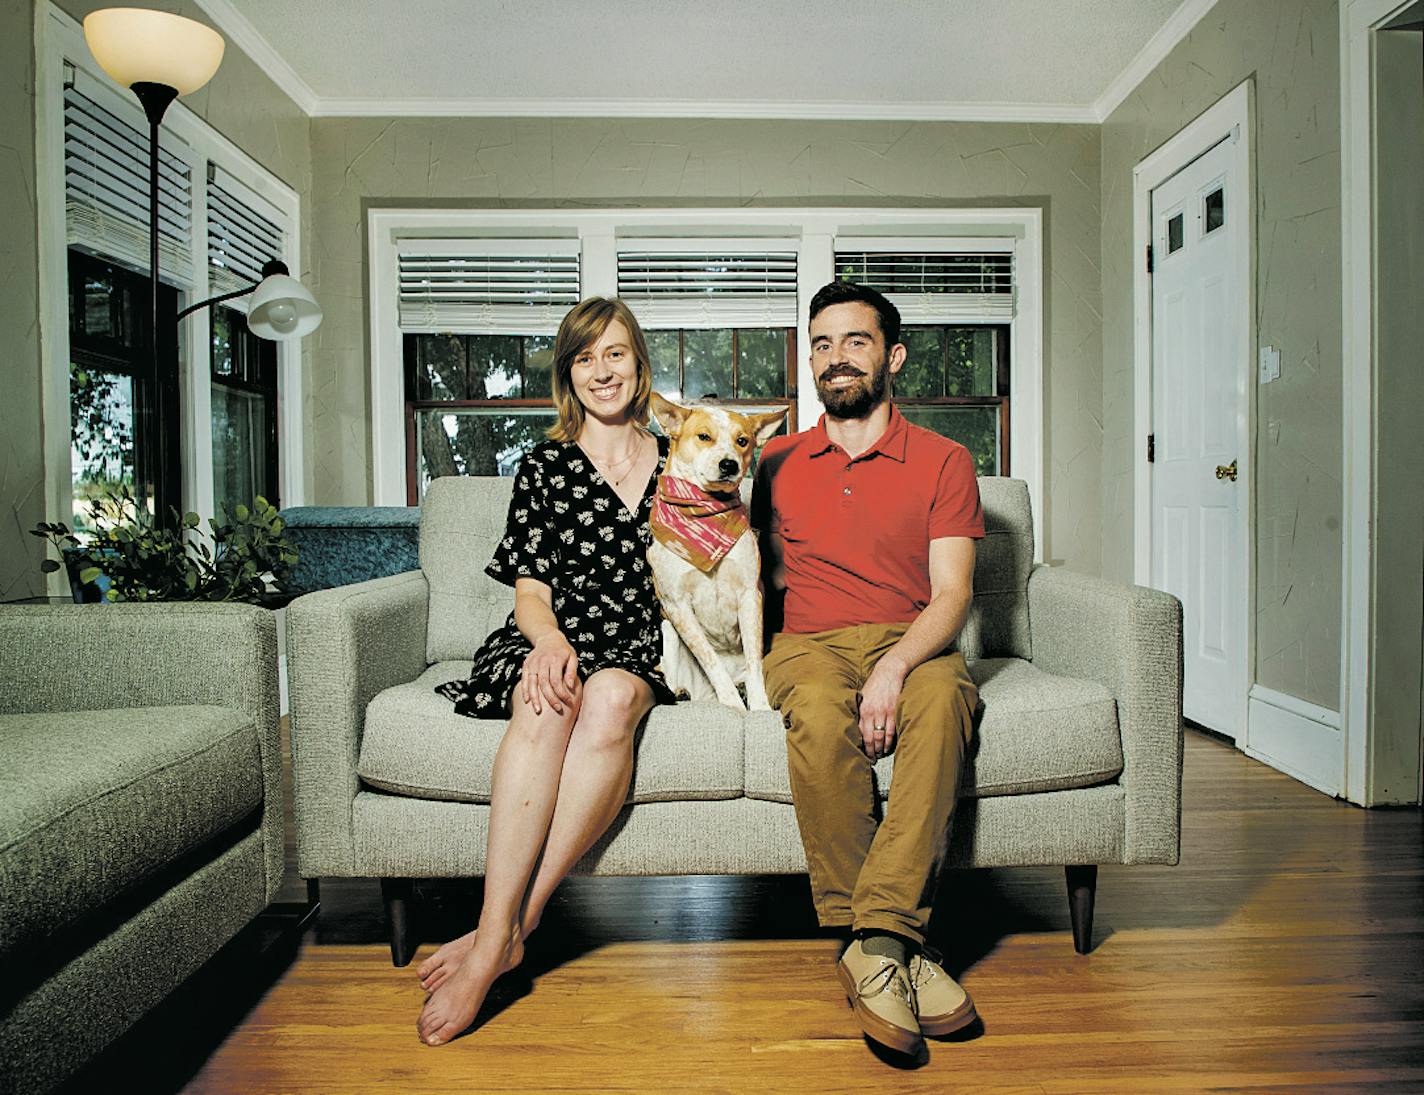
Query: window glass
{"x": 476, "y": 440}
{"x": 101, "y": 418}
{"x": 976, "y": 428}
{"x": 761, "y": 363}
{"x": 1215, "y": 209}
{"x": 707, "y": 364}
{"x": 1174, "y": 234}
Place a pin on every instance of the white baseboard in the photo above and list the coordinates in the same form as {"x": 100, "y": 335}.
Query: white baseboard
{"x": 1295, "y": 737}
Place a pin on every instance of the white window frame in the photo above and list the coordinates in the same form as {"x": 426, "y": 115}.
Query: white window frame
{"x": 59, "y": 38}
{"x": 816, "y": 233}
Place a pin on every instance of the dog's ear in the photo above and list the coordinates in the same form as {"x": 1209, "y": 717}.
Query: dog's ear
{"x": 767, "y": 424}
{"x": 670, "y": 416}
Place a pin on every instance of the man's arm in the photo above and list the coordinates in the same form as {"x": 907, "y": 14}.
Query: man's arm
{"x": 937, "y": 625}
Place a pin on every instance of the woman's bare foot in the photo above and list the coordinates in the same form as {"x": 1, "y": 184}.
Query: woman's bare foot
{"x": 445, "y": 961}
{"x": 453, "y": 1004}
{"x": 434, "y": 971}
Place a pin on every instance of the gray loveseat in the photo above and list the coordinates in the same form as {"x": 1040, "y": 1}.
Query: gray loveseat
{"x": 140, "y": 814}
{"x": 1078, "y": 760}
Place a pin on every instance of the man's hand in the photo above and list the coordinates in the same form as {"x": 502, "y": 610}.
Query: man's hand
{"x": 550, "y": 674}
{"x": 878, "y": 700}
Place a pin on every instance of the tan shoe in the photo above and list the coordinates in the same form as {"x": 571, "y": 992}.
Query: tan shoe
{"x": 944, "y": 1006}
{"x": 878, "y": 988}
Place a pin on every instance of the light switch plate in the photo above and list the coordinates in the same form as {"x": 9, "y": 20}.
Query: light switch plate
{"x": 1270, "y": 364}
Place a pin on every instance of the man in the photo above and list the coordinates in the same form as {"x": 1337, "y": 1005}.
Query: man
{"x": 868, "y": 525}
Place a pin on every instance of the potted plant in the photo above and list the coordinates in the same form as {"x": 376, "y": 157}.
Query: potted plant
{"x": 132, "y": 557}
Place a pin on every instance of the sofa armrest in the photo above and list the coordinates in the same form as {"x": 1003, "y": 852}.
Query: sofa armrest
{"x": 1128, "y": 639}
{"x": 344, "y": 645}
{"x": 148, "y": 654}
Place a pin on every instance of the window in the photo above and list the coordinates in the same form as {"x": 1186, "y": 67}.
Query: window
{"x": 478, "y": 320}
{"x": 956, "y": 377}
{"x": 721, "y": 295}
{"x": 123, "y": 417}
{"x": 160, "y": 431}
{"x": 244, "y": 407}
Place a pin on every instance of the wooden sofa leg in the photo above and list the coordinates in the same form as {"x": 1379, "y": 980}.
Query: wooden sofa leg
{"x": 1082, "y": 888}
{"x": 399, "y": 896}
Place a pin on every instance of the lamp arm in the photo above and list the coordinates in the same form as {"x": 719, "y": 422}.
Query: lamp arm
{"x": 216, "y": 300}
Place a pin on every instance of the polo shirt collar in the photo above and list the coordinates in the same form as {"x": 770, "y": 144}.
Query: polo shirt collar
{"x": 891, "y": 443}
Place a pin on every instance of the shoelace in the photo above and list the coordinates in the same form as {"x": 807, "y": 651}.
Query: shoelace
{"x": 890, "y": 981}
{"x": 922, "y": 970}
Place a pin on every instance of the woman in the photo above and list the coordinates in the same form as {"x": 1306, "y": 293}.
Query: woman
{"x": 575, "y": 666}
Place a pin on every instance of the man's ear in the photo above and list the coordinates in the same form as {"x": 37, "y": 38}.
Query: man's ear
{"x": 767, "y": 424}
{"x": 670, "y": 416}
{"x": 897, "y": 357}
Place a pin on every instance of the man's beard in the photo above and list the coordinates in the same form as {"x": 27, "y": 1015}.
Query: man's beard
{"x": 856, "y": 400}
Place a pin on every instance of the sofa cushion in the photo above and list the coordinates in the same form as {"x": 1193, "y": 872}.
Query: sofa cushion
{"x": 1038, "y": 733}
{"x": 94, "y": 803}
{"x": 415, "y": 745}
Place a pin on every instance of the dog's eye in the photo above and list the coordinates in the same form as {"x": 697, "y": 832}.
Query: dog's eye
{"x": 704, "y": 437}
{"x": 743, "y": 442}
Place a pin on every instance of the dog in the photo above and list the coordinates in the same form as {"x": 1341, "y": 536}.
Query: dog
{"x": 704, "y": 556}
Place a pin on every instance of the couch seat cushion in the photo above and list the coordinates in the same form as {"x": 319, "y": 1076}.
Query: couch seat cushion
{"x": 414, "y": 744}
{"x": 93, "y": 803}
{"x": 1038, "y": 733}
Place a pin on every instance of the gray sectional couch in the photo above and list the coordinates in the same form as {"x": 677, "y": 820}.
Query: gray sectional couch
{"x": 1078, "y": 760}
{"x": 140, "y": 814}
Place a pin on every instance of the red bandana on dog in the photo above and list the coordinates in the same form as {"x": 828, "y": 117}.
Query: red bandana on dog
{"x": 696, "y": 525}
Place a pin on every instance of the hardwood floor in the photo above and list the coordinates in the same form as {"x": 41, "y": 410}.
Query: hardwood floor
{"x": 1285, "y": 952}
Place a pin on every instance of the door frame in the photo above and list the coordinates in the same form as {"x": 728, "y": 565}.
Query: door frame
{"x": 1231, "y": 118}
{"x": 1359, "y": 20}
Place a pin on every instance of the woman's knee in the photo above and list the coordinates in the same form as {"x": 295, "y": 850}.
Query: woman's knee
{"x": 614, "y": 703}
{"x": 546, "y": 724}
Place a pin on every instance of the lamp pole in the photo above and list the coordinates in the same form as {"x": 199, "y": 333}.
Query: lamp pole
{"x": 155, "y": 98}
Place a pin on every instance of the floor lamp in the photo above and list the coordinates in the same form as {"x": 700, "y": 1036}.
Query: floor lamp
{"x": 157, "y": 56}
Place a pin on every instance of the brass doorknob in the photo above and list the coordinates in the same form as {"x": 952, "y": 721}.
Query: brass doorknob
{"x": 1226, "y": 471}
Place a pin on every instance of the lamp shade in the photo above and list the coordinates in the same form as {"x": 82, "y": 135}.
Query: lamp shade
{"x": 282, "y": 308}
{"x": 135, "y": 45}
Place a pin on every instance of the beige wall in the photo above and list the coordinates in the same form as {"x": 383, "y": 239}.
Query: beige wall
{"x": 1291, "y": 50}
{"x": 241, "y": 103}
{"x": 361, "y": 163}
{"x": 21, "y": 467}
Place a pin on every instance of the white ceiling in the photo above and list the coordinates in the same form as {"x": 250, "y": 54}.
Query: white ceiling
{"x": 1012, "y": 59}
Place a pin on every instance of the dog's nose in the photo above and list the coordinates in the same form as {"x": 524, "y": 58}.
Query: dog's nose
{"x": 728, "y": 468}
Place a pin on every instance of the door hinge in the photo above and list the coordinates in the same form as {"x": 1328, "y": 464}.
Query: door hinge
{"x": 1151, "y": 447}
{"x": 1149, "y": 258}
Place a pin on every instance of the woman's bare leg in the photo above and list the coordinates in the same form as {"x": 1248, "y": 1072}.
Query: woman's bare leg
{"x": 525, "y": 788}
{"x": 597, "y": 768}
{"x": 594, "y": 786}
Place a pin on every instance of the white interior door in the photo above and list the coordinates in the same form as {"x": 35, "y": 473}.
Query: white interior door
{"x": 1199, "y": 406}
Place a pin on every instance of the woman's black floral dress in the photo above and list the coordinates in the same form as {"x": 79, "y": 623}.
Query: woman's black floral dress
{"x": 568, "y": 528}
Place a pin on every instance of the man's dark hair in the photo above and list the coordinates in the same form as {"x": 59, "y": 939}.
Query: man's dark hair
{"x": 847, "y": 292}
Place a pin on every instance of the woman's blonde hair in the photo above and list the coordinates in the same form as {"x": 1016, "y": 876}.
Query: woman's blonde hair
{"x": 581, "y": 328}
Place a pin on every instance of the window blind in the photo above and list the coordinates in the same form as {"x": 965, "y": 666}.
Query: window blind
{"x": 106, "y": 186}
{"x": 513, "y": 287}
{"x": 936, "y": 286}
{"x": 244, "y": 232}
{"x": 711, "y": 287}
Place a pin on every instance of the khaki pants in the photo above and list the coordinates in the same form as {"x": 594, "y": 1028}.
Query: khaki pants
{"x": 867, "y": 875}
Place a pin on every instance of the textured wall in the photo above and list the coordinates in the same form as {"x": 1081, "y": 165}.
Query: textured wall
{"x": 1292, "y": 51}
{"x": 359, "y": 163}
{"x": 241, "y": 103}
{"x": 21, "y": 466}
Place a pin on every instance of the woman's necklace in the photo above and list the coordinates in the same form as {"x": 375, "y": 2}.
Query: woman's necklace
{"x": 606, "y": 468}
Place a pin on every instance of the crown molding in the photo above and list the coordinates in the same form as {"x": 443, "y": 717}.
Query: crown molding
{"x": 1178, "y": 25}
{"x": 704, "y": 108}
{"x": 250, "y": 40}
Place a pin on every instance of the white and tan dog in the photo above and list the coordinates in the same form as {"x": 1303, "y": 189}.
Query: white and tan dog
{"x": 704, "y": 554}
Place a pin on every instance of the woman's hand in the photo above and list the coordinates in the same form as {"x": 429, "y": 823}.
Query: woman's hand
{"x": 550, "y": 674}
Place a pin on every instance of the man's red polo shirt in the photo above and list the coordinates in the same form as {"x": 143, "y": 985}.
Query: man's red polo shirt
{"x": 856, "y": 532}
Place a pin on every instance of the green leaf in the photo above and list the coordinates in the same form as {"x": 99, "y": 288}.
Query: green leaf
{"x": 240, "y": 512}
{"x": 190, "y": 520}
{"x": 89, "y": 574}
{"x": 48, "y": 566}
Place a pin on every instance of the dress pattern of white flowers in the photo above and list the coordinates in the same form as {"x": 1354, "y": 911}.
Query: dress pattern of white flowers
{"x": 568, "y": 528}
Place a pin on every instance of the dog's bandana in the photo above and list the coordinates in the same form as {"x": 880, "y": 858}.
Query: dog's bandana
{"x": 696, "y": 525}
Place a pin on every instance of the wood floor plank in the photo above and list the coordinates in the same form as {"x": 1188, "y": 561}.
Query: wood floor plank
{"x": 1284, "y": 953}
